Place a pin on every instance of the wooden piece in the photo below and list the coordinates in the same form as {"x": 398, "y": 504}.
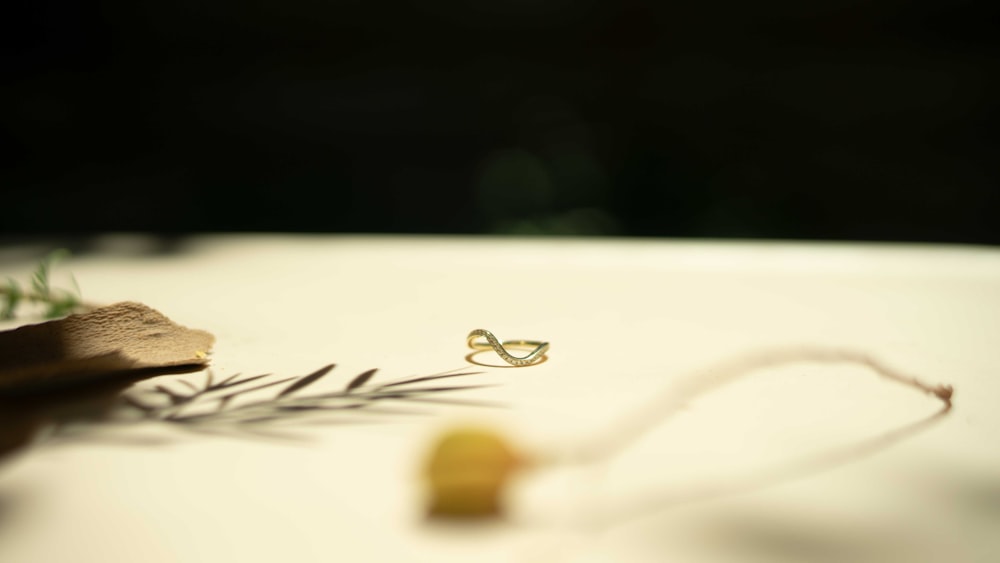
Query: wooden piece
{"x": 108, "y": 341}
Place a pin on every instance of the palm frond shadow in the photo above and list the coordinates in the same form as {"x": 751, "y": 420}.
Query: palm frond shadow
{"x": 233, "y": 404}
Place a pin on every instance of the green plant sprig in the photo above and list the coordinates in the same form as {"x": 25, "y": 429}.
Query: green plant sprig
{"x": 58, "y": 302}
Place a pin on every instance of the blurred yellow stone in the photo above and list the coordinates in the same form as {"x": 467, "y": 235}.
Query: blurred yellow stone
{"x": 467, "y": 472}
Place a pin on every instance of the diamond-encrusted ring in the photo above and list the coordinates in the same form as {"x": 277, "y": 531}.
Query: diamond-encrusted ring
{"x": 536, "y": 354}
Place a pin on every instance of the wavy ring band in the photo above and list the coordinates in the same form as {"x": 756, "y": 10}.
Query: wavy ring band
{"x": 539, "y": 348}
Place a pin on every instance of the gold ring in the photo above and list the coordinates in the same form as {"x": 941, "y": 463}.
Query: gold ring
{"x": 536, "y": 354}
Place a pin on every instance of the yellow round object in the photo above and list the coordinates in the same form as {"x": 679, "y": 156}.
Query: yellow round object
{"x": 467, "y": 471}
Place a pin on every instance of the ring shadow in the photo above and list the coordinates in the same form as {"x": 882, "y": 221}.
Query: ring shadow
{"x": 471, "y": 358}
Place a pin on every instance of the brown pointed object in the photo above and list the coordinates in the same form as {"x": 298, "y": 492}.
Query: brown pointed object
{"x": 116, "y": 340}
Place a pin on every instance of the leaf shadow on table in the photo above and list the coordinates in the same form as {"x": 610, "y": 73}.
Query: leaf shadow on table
{"x": 231, "y": 407}
{"x": 264, "y": 406}
{"x": 216, "y": 403}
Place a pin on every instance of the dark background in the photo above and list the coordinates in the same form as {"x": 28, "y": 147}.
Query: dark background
{"x": 827, "y": 119}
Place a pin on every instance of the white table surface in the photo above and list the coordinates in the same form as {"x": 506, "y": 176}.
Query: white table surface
{"x": 628, "y": 321}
